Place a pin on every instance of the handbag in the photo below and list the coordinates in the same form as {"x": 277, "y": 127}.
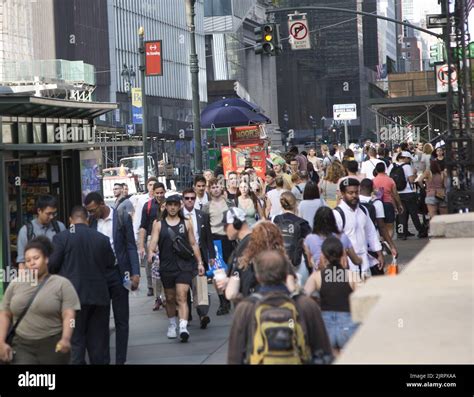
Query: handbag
{"x": 440, "y": 194}
{"x": 181, "y": 246}
{"x": 11, "y": 333}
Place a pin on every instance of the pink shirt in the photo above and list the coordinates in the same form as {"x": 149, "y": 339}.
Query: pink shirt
{"x": 387, "y": 184}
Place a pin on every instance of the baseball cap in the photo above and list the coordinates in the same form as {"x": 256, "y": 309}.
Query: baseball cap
{"x": 231, "y": 215}
{"x": 406, "y": 154}
{"x": 175, "y": 198}
{"x": 279, "y": 161}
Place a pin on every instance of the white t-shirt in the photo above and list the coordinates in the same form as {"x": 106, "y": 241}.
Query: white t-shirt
{"x": 408, "y": 170}
{"x": 368, "y": 168}
{"x": 274, "y": 197}
{"x": 200, "y": 201}
{"x": 308, "y": 208}
{"x": 379, "y": 210}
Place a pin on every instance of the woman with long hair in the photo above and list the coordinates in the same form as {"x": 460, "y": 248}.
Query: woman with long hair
{"x": 435, "y": 190}
{"x": 43, "y": 335}
{"x": 335, "y": 172}
{"x": 426, "y": 156}
{"x": 335, "y": 283}
{"x": 256, "y": 187}
{"x": 311, "y": 202}
{"x": 265, "y": 236}
{"x": 248, "y": 201}
{"x": 325, "y": 226}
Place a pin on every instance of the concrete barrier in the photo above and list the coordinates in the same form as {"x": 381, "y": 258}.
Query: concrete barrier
{"x": 425, "y": 315}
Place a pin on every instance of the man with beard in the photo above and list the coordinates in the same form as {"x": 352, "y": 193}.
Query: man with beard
{"x": 355, "y": 222}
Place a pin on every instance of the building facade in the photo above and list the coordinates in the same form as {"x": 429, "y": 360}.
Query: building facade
{"x": 333, "y": 72}
{"x": 233, "y": 68}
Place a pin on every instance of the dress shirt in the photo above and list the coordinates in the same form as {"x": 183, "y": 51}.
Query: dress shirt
{"x": 105, "y": 226}
{"x": 193, "y": 216}
{"x": 361, "y": 232}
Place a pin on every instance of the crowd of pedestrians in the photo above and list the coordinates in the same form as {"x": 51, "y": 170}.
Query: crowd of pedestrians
{"x": 293, "y": 245}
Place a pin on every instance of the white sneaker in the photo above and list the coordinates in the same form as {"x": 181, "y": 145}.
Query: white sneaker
{"x": 171, "y": 332}
{"x": 183, "y": 334}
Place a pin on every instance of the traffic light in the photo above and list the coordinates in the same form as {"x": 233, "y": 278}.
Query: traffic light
{"x": 267, "y": 37}
{"x": 436, "y": 53}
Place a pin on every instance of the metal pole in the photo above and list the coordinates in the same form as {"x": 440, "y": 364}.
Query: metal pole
{"x": 141, "y": 34}
{"x": 367, "y": 14}
{"x": 377, "y": 126}
{"x": 429, "y": 123}
{"x": 194, "y": 66}
{"x": 346, "y": 134}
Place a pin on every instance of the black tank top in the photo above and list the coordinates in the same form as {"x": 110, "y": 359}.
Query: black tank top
{"x": 168, "y": 261}
{"x": 335, "y": 289}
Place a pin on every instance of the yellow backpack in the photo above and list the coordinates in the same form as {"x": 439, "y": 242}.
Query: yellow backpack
{"x": 278, "y": 337}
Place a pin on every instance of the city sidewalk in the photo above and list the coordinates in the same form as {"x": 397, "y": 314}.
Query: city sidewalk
{"x": 148, "y": 343}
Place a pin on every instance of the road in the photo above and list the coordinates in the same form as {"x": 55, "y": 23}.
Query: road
{"x": 148, "y": 343}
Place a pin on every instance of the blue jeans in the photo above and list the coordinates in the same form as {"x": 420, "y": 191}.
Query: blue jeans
{"x": 340, "y": 327}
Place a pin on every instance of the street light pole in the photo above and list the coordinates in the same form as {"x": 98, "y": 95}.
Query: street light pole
{"x": 194, "y": 66}
{"x": 141, "y": 34}
{"x": 129, "y": 75}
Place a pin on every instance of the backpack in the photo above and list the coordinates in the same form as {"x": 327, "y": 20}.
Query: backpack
{"x": 291, "y": 232}
{"x": 398, "y": 175}
{"x": 30, "y": 234}
{"x": 370, "y": 207}
{"x": 362, "y": 207}
{"x": 276, "y": 336}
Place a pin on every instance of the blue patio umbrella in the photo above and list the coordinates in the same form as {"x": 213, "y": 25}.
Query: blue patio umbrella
{"x": 234, "y": 102}
{"x": 231, "y": 116}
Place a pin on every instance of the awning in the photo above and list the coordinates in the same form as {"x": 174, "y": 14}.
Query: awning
{"x": 30, "y": 106}
{"x": 37, "y": 147}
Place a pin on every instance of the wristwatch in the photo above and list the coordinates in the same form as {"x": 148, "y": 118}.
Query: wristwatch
{"x": 201, "y": 263}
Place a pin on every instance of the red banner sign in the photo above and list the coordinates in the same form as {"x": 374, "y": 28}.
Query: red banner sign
{"x": 153, "y": 58}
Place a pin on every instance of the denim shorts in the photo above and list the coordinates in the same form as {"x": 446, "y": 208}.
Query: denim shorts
{"x": 340, "y": 327}
{"x": 432, "y": 200}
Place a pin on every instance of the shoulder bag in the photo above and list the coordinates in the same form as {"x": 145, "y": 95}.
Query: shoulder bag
{"x": 11, "y": 333}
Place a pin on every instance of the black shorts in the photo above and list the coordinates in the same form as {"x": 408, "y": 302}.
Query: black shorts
{"x": 170, "y": 280}
{"x": 389, "y": 212}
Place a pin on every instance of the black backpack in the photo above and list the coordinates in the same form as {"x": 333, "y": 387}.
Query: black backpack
{"x": 362, "y": 207}
{"x": 398, "y": 175}
{"x": 292, "y": 237}
{"x": 30, "y": 234}
{"x": 370, "y": 207}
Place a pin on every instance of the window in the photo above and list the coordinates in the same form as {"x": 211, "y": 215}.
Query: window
{"x": 217, "y": 8}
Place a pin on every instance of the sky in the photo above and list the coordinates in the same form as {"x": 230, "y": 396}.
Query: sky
{"x": 421, "y": 6}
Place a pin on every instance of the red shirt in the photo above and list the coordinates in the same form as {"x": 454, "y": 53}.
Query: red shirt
{"x": 387, "y": 184}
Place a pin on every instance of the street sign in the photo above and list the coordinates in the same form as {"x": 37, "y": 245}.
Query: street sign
{"x": 299, "y": 32}
{"x": 436, "y": 21}
{"x": 137, "y": 106}
{"x": 153, "y": 58}
{"x": 442, "y": 78}
{"x": 130, "y": 129}
{"x": 345, "y": 111}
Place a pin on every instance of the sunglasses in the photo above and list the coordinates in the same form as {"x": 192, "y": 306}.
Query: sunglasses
{"x": 190, "y": 198}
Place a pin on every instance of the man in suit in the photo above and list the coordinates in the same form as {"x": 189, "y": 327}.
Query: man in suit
{"x": 118, "y": 227}
{"x": 85, "y": 257}
{"x": 202, "y": 232}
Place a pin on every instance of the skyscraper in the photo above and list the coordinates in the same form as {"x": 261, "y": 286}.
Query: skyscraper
{"x": 310, "y": 82}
